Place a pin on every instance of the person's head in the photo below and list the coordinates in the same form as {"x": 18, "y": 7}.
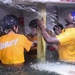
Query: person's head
{"x": 10, "y": 23}
{"x": 58, "y": 29}
{"x": 33, "y": 26}
{"x": 70, "y": 18}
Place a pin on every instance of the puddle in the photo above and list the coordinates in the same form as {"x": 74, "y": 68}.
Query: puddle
{"x": 57, "y": 67}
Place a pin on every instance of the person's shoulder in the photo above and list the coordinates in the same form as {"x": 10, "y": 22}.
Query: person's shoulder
{"x": 70, "y": 29}
{"x": 3, "y": 36}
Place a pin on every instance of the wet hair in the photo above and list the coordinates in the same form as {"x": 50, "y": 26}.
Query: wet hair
{"x": 59, "y": 25}
{"x": 33, "y": 23}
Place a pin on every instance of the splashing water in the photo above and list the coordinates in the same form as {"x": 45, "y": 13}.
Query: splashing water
{"x": 62, "y": 69}
{"x": 6, "y": 1}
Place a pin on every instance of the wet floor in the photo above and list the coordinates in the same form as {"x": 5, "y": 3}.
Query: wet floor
{"x": 26, "y": 69}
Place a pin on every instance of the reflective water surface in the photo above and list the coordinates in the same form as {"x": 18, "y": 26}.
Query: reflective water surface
{"x": 23, "y": 69}
{"x": 29, "y": 68}
{"x": 34, "y": 67}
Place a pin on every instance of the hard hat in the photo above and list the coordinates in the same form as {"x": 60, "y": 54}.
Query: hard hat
{"x": 9, "y": 21}
{"x": 70, "y": 18}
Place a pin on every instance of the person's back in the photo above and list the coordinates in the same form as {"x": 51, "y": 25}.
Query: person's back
{"x": 12, "y": 48}
{"x": 12, "y": 44}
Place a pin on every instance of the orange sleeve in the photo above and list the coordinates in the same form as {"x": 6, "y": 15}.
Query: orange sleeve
{"x": 27, "y": 44}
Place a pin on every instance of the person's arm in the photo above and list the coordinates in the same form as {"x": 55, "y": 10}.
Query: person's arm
{"x": 49, "y": 39}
